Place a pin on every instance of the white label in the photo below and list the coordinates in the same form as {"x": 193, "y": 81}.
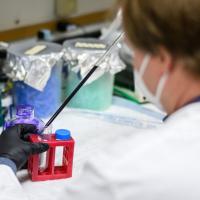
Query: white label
{"x": 90, "y": 45}
{"x": 36, "y": 49}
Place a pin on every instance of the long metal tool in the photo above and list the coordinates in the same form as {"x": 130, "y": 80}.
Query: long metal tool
{"x": 67, "y": 100}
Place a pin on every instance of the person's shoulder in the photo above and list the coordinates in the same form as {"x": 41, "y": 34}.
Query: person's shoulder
{"x": 164, "y": 158}
{"x": 157, "y": 148}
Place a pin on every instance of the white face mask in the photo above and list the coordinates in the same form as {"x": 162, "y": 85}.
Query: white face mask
{"x": 155, "y": 99}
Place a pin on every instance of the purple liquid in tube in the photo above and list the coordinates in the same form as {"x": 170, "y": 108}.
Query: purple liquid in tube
{"x": 25, "y": 115}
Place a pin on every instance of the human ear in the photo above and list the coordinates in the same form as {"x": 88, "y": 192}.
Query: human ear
{"x": 166, "y": 59}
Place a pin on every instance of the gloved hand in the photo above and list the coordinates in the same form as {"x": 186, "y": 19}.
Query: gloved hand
{"x": 14, "y": 144}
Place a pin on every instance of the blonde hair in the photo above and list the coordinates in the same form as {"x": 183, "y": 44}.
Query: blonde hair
{"x": 173, "y": 24}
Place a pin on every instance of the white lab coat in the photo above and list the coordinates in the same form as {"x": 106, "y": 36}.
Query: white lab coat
{"x": 161, "y": 164}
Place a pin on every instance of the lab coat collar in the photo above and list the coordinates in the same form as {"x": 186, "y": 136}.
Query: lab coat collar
{"x": 195, "y": 101}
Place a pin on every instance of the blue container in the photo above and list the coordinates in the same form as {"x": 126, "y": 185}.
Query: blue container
{"x": 45, "y": 102}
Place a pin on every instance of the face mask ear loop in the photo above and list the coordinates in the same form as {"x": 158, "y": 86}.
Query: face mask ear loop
{"x": 161, "y": 85}
{"x": 144, "y": 65}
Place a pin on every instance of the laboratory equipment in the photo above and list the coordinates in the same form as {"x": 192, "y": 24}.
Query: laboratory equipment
{"x": 3, "y": 80}
{"x": 35, "y": 68}
{"x": 1, "y": 112}
{"x": 93, "y": 69}
{"x": 51, "y": 171}
{"x": 25, "y": 115}
{"x": 94, "y": 96}
{"x": 80, "y": 56}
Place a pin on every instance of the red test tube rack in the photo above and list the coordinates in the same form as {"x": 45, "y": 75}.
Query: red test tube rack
{"x": 62, "y": 139}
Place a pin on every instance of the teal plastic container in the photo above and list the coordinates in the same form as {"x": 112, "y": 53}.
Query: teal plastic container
{"x": 95, "y": 96}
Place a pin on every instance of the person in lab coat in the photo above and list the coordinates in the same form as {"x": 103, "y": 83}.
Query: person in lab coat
{"x": 155, "y": 164}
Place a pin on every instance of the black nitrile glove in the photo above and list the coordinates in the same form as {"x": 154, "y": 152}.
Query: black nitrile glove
{"x": 15, "y": 147}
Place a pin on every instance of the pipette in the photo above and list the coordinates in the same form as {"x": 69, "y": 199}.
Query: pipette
{"x": 96, "y": 65}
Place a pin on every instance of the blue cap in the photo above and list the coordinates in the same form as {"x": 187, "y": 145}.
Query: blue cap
{"x": 63, "y": 134}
